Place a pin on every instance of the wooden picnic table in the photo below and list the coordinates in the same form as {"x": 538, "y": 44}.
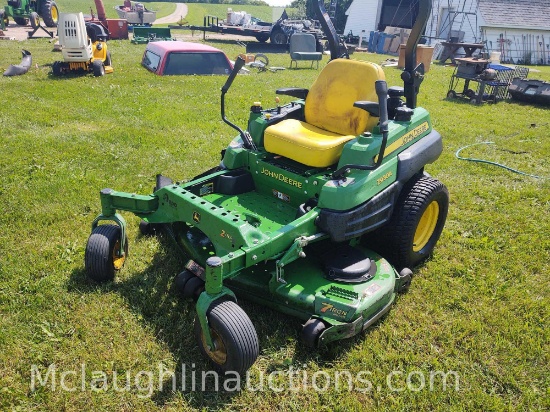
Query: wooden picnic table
{"x": 450, "y": 50}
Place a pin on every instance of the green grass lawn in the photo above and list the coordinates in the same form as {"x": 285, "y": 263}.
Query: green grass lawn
{"x": 477, "y": 308}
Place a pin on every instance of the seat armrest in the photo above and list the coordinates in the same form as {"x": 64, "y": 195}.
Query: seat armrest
{"x": 297, "y": 92}
{"x": 371, "y": 107}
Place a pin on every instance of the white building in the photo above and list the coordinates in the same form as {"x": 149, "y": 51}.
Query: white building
{"x": 519, "y": 29}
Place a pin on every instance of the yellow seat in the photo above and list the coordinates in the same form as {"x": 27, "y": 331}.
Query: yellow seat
{"x": 330, "y": 118}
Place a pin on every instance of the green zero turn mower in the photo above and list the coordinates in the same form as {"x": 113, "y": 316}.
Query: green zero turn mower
{"x": 319, "y": 209}
{"x": 23, "y": 11}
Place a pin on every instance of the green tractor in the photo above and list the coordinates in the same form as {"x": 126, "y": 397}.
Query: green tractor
{"x": 319, "y": 209}
{"x": 23, "y": 11}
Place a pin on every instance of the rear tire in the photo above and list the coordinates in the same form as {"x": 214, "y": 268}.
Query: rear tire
{"x": 50, "y": 13}
{"x": 416, "y": 224}
{"x": 98, "y": 68}
{"x": 101, "y": 256}
{"x": 236, "y": 346}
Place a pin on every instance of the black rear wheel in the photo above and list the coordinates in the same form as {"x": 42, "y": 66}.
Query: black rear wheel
{"x": 416, "y": 224}
{"x": 236, "y": 346}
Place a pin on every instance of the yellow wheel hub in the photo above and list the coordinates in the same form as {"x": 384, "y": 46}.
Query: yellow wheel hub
{"x": 426, "y": 226}
{"x": 218, "y": 354}
{"x": 118, "y": 261}
{"x": 54, "y": 14}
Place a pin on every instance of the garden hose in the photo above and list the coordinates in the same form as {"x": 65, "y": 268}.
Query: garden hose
{"x": 472, "y": 159}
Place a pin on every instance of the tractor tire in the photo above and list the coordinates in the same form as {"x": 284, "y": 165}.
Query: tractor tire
{"x": 416, "y": 223}
{"x": 98, "y": 68}
{"x": 101, "y": 258}
{"x": 311, "y": 331}
{"x": 35, "y": 20}
{"x": 50, "y": 13}
{"x": 278, "y": 36}
{"x": 21, "y": 21}
{"x": 236, "y": 346}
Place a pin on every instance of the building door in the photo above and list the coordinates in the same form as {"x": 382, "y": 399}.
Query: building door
{"x": 398, "y": 13}
{"x": 446, "y": 18}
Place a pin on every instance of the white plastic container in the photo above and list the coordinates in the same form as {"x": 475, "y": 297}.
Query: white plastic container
{"x": 494, "y": 57}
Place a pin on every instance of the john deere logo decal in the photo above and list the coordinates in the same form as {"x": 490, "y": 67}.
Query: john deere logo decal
{"x": 196, "y": 217}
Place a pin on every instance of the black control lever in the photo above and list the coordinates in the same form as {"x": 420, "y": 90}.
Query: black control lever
{"x": 247, "y": 139}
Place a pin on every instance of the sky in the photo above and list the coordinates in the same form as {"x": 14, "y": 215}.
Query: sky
{"x": 278, "y": 3}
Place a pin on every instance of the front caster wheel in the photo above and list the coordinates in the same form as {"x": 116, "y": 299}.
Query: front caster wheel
{"x": 193, "y": 288}
{"x": 148, "y": 229}
{"x": 102, "y": 257}
{"x": 188, "y": 285}
{"x": 405, "y": 279}
{"x": 311, "y": 331}
{"x": 181, "y": 280}
{"x": 236, "y": 346}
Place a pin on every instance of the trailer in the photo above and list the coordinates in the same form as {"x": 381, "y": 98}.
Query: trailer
{"x": 277, "y": 33}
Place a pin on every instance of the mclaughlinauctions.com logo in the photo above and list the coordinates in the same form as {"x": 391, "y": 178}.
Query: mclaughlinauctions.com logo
{"x": 187, "y": 379}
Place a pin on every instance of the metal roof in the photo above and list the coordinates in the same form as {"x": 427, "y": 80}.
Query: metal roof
{"x": 526, "y": 14}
